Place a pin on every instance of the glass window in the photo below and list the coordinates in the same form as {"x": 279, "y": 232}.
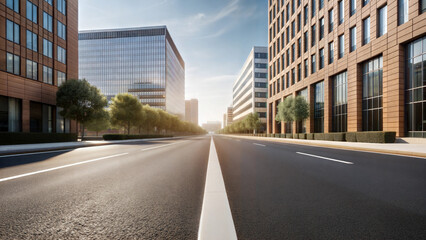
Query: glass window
{"x": 372, "y": 97}
{"x": 299, "y": 46}
{"x": 321, "y": 4}
{"x": 13, "y": 4}
{"x": 10, "y": 114}
{"x": 330, "y": 53}
{"x": 313, "y": 34}
{"x": 353, "y": 39}
{"x": 293, "y": 50}
{"x": 299, "y": 22}
{"x": 288, "y": 57}
{"x": 293, "y": 29}
{"x": 402, "y": 11}
{"x": 293, "y": 76}
{"x": 341, "y": 46}
{"x": 32, "y": 70}
{"x": 330, "y": 21}
{"x": 13, "y": 63}
{"x": 313, "y": 64}
{"x": 306, "y": 68}
{"x": 12, "y": 31}
{"x": 416, "y": 88}
{"x": 340, "y": 103}
{"x": 47, "y": 75}
{"x": 321, "y": 58}
{"x": 306, "y": 40}
{"x": 321, "y": 33}
{"x": 382, "y": 26}
{"x": 313, "y": 8}
{"x": 299, "y": 72}
{"x": 366, "y": 31}
{"x": 341, "y": 11}
{"x": 61, "y": 78}
{"x": 353, "y": 7}
{"x": 49, "y": 1}
{"x": 32, "y": 41}
{"x": 293, "y": 6}
{"x": 305, "y": 15}
{"x": 31, "y": 11}
{"x": 365, "y": 2}
{"x": 319, "y": 107}
{"x": 62, "y": 6}
{"x": 62, "y": 55}
{"x": 47, "y": 22}
{"x": 422, "y": 6}
{"x": 47, "y": 48}
{"x": 62, "y": 32}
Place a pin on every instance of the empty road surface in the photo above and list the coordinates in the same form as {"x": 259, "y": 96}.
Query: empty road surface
{"x": 156, "y": 190}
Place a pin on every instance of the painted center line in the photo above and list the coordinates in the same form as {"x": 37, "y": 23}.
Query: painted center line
{"x": 257, "y": 144}
{"x": 325, "y": 158}
{"x": 61, "y": 167}
{"x": 216, "y": 218}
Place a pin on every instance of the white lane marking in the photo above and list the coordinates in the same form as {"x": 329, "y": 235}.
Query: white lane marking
{"x": 216, "y": 218}
{"x": 26, "y": 154}
{"x": 325, "y": 158}
{"x": 257, "y": 144}
{"x": 152, "y": 148}
{"x": 61, "y": 167}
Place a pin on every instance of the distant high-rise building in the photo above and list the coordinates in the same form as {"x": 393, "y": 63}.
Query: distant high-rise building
{"x": 212, "y": 126}
{"x": 229, "y": 116}
{"x": 38, "y": 52}
{"x": 224, "y": 123}
{"x": 141, "y": 61}
{"x": 250, "y": 91}
{"x": 191, "y": 111}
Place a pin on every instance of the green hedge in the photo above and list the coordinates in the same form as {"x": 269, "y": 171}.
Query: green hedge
{"x": 376, "y": 137}
{"x": 109, "y": 137}
{"x": 319, "y": 136}
{"x": 288, "y": 135}
{"x": 350, "y": 137}
{"x": 9, "y": 138}
{"x": 328, "y": 136}
{"x": 310, "y": 136}
{"x": 340, "y": 137}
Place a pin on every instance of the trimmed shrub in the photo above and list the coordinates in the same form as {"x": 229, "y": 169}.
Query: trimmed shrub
{"x": 310, "y": 136}
{"x": 277, "y": 135}
{"x": 302, "y": 135}
{"x": 350, "y": 137}
{"x": 376, "y": 137}
{"x": 9, "y": 138}
{"x": 328, "y": 136}
{"x": 288, "y": 135}
{"x": 319, "y": 136}
{"x": 296, "y": 136}
{"x": 340, "y": 137}
{"x": 110, "y": 137}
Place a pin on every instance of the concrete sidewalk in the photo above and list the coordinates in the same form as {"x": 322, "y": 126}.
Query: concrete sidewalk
{"x": 42, "y": 147}
{"x": 406, "y": 149}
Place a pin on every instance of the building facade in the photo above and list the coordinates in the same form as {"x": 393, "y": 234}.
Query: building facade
{"x": 141, "y": 61}
{"x": 229, "y": 116}
{"x": 38, "y": 51}
{"x": 191, "y": 111}
{"x": 250, "y": 90}
{"x": 360, "y": 64}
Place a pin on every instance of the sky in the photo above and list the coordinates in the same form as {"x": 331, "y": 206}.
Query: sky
{"x": 213, "y": 37}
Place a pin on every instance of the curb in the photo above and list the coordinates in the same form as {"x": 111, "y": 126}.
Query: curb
{"x": 280, "y": 140}
{"x": 48, "y": 149}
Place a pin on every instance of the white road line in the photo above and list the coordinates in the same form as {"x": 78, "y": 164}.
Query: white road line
{"x": 216, "y": 218}
{"x": 152, "y": 148}
{"x": 325, "y": 158}
{"x": 61, "y": 167}
{"x": 257, "y": 144}
{"x": 36, "y": 153}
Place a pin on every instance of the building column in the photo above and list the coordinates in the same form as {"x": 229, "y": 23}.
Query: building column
{"x": 354, "y": 80}
{"x": 328, "y": 99}
{"x": 25, "y": 115}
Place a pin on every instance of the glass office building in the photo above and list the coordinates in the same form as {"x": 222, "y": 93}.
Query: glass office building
{"x": 141, "y": 61}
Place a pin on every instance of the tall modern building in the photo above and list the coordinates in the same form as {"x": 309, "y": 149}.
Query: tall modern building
{"x": 360, "y": 64}
{"x": 38, "y": 51}
{"x": 229, "y": 116}
{"x": 191, "y": 111}
{"x": 250, "y": 88}
{"x": 141, "y": 61}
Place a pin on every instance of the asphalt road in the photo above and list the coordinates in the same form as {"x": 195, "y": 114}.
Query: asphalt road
{"x": 284, "y": 191}
{"x": 149, "y": 190}
{"x": 154, "y": 190}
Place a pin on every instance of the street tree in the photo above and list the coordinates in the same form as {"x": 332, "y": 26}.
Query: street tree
{"x": 100, "y": 122}
{"x": 152, "y": 118}
{"x": 126, "y": 111}
{"x": 252, "y": 122}
{"x": 285, "y": 110}
{"x": 80, "y": 101}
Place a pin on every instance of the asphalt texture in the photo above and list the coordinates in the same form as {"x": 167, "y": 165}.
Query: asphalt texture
{"x": 276, "y": 193}
{"x": 155, "y": 191}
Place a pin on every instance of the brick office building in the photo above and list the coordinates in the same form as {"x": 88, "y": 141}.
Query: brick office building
{"x": 361, "y": 64}
{"x": 38, "y": 51}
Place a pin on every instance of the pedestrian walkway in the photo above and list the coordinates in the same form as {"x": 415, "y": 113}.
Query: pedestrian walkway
{"x": 41, "y": 147}
{"x": 417, "y": 149}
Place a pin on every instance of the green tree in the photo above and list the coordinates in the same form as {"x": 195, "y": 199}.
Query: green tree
{"x": 285, "y": 110}
{"x": 252, "y": 122}
{"x": 80, "y": 101}
{"x": 100, "y": 122}
{"x": 152, "y": 118}
{"x": 300, "y": 109}
{"x": 126, "y": 111}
